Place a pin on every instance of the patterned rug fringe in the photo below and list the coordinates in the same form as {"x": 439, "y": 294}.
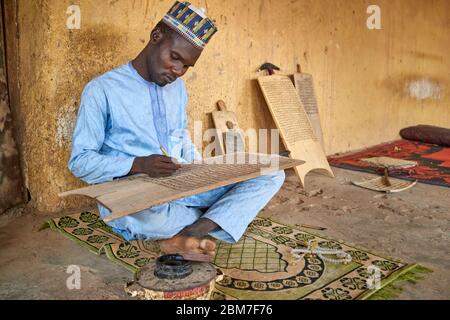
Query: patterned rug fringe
{"x": 391, "y": 291}
{"x": 92, "y": 249}
{"x": 108, "y": 250}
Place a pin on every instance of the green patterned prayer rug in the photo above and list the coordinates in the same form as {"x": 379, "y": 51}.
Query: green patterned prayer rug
{"x": 260, "y": 265}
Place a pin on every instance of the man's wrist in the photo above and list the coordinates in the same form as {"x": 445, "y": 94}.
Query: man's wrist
{"x": 137, "y": 166}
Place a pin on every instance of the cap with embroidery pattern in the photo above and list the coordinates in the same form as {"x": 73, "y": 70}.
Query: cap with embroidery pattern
{"x": 191, "y": 22}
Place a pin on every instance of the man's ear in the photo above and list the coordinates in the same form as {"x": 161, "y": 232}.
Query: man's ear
{"x": 156, "y": 36}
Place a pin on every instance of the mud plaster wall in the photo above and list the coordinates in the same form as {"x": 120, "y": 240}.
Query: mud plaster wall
{"x": 369, "y": 83}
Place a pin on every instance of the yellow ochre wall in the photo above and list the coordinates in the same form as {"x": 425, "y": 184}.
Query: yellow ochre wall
{"x": 367, "y": 81}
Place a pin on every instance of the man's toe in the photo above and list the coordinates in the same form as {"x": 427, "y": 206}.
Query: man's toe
{"x": 207, "y": 245}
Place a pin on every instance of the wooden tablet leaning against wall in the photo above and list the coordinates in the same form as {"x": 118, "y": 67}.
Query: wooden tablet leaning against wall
{"x": 295, "y": 128}
{"x": 305, "y": 87}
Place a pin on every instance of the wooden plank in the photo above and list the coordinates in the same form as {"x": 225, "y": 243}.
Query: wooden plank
{"x": 391, "y": 163}
{"x": 231, "y": 138}
{"x": 101, "y": 189}
{"x": 133, "y": 194}
{"x": 295, "y": 128}
{"x": 305, "y": 87}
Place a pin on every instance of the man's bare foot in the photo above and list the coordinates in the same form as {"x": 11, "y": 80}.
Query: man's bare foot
{"x": 191, "y": 240}
{"x": 186, "y": 244}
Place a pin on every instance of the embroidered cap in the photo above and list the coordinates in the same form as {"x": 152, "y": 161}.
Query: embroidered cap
{"x": 190, "y": 22}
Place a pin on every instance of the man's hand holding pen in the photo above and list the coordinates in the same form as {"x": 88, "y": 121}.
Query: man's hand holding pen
{"x": 155, "y": 166}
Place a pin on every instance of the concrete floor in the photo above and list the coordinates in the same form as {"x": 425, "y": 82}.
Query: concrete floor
{"x": 413, "y": 225}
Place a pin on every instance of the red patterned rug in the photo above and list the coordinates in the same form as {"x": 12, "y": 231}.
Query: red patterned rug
{"x": 433, "y": 161}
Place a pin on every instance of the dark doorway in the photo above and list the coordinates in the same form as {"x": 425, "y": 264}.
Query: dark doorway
{"x": 11, "y": 186}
